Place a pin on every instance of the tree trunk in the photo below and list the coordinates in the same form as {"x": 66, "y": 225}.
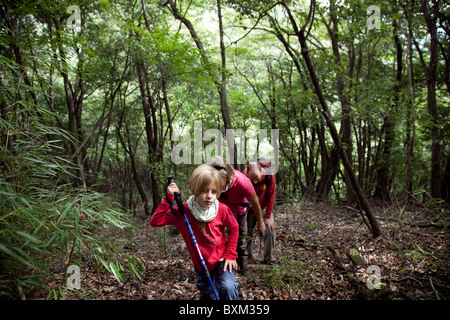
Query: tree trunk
{"x": 362, "y": 200}
{"x": 383, "y": 183}
{"x": 445, "y": 189}
{"x": 149, "y": 110}
{"x": 345, "y": 128}
{"x": 128, "y": 149}
{"x": 411, "y": 118}
{"x": 222, "y": 88}
{"x": 431, "y": 77}
{"x": 220, "y": 84}
{"x": 74, "y": 100}
{"x": 164, "y": 77}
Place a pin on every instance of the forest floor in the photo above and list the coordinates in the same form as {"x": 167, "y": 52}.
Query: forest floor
{"x": 322, "y": 253}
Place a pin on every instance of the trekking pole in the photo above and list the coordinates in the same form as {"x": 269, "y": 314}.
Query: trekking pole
{"x": 181, "y": 207}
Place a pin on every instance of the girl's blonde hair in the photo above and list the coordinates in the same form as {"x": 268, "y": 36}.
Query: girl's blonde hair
{"x": 202, "y": 176}
{"x": 220, "y": 164}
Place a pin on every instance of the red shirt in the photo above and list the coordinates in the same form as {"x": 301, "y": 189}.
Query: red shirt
{"x": 211, "y": 237}
{"x": 240, "y": 189}
{"x": 265, "y": 193}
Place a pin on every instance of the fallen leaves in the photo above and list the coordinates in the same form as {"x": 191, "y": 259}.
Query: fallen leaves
{"x": 317, "y": 248}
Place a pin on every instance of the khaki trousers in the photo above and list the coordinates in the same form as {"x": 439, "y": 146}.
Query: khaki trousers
{"x": 268, "y": 238}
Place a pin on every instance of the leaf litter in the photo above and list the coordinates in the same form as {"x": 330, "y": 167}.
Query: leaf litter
{"x": 322, "y": 253}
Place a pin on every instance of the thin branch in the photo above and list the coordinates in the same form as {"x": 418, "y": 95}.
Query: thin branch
{"x": 261, "y": 15}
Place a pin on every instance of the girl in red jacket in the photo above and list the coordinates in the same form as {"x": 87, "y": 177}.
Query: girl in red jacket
{"x": 208, "y": 219}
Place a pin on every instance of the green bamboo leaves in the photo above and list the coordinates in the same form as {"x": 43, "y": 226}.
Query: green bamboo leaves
{"x": 46, "y": 224}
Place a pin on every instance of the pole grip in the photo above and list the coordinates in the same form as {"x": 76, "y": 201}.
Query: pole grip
{"x": 169, "y": 180}
{"x": 176, "y": 194}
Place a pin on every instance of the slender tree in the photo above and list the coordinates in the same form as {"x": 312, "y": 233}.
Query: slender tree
{"x": 430, "y": 14}
{"x": 362, "y": 200}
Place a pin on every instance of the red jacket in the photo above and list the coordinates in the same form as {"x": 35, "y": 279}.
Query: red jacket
{"x": 211, "y": 237}
{"x": 240, "y": 189}
{"x": 265, "y": 193}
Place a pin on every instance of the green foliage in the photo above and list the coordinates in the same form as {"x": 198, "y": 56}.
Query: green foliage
{"x": 289, "y": 275}
{"x": 420, "y": 254}
{"x": 310, "y": 226}
{"x": 46, "y": 224}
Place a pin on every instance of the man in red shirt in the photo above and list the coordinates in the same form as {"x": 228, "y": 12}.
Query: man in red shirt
{"x": 263, "y": 181}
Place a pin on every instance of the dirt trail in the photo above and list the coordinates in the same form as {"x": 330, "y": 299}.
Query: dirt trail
{"x": 322, "y": 253}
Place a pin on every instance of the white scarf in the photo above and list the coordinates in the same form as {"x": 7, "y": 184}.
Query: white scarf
{"x": 200, "y": 213}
